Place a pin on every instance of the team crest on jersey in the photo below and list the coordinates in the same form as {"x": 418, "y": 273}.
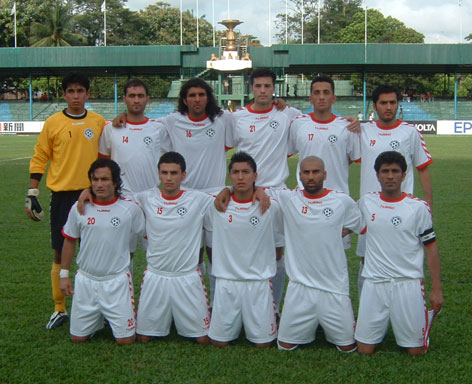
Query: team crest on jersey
{"x": 394, "y": 144}
{"x": 89, "y": 134}
{"x": 254, "y": 220}
{"x": 328, "y": 212}
{"x": 115, "y": 221}
{"x": 182, "y": 211}
{"x": 396, "y": 221}
{"x": 147, "y": 140}
{"x": 210, "y": 132}
{"x": 332, "y": 139}
{"x": 274, "y": 124}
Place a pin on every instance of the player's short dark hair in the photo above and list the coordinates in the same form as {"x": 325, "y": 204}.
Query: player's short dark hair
{"x": 261, "y": 72}
{"x": 242, "y": 157}
{"x": 75, "y": 78}
{"x": 384, "y": 89}
{"x": 322, "y": 79}
{"x": 390, "y": 157}
{"x": 136, "y": 83}
{"x": 172, "y": 158}
{"x": 212, "y": 110}
{"x": 115, "y": 170}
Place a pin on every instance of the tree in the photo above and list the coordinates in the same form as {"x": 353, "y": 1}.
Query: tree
{"x": 380, "y": 29}
{"x": 124, "y": 27}
{"x": 334, "y": 16}
{"x": 56, "y": 28}
{"x": 469, "y": 37}
{"x": 27, "y": 12}
{"x": 163, "y": 26}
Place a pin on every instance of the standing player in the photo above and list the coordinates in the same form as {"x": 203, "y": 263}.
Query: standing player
{"x": 69, "y": 142}
{"x": 318, "y": 291}
{"x": 136, "y": 147}
{"x": 103, "y": 285}
{"x": 399, "y": 231}
{"x": 173, "y": 286}
{"x": 386, "y": 134}
{"x": 244, "y": 244}
{"x": 326, "y": 135}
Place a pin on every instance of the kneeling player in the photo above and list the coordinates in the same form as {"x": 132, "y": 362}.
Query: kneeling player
{"x": 318, "y": 291}
{"x": 399, "y": 230}
{"x": 173, "y": 286}
{"x": 103, "y": 286}
{"x": 244, "y": 261}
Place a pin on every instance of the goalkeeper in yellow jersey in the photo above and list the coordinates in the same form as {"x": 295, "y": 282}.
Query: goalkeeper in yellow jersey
{"x": 69, "y": 142}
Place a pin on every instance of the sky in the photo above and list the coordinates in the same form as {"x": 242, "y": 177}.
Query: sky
{"x": 438, "y": 20}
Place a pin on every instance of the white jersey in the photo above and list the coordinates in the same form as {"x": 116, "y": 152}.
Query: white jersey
{"x": 329, "y": 140}
{"x": 244, "y": 241}
{"x": 137, "y": 149}
{"x": 396, "y": 232}
{"x": 105, "y": 231}
{"x": 174, "y": 229}
{"x": 264, "y": 136}
{"x": 202, "y": 144}
{"x": 403, "y": 138}
{"x": 313, "y": 225}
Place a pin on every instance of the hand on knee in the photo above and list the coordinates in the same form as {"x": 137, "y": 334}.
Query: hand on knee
{"x": 365, "y": 349}
{"x": 202, "y": 340}
{"x": 79, "y": 339}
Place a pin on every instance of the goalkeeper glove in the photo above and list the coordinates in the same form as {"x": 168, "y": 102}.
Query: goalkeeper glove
{"x": 32, "y": 206}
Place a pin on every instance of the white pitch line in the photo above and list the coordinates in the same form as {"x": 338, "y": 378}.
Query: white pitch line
{"x": 18, "y": 158}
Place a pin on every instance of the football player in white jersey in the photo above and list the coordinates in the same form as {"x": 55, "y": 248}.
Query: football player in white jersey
{"x": 173, "y": 286}
{"x": 325, "y": 135}
{"x": 399, "y": 230}
{"x": 136, "y": 147}
{"x": 387, "y": 134}
{"x": 103, "y": 286}
{"x": 244, "y": 261}
{"x": 318, "y": 291}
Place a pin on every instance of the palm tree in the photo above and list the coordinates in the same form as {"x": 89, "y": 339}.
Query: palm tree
{"x": 55, "y": 30}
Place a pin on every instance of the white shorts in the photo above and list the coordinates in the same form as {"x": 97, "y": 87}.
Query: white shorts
{"x": 400, "y": 301}
{"x": 243, "y": 302}
{"x": 305, "y": 308}
{"x": 112, "y": 298}
{"x": 179, "y": 297}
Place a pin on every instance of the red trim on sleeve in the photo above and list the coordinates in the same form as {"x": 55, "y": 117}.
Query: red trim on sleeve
{"x": 67, "y": 236}
{"x": 427, "y": 245}
{"x": 101, "y": 155}
{"x": 359, "y": 160}
{"x": 363, "y": 232}
{"x": 422, "y": 166}
{"x": 228, "y": 148}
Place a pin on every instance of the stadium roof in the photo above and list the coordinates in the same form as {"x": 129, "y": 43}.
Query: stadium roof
{"x": 411, "y": 58}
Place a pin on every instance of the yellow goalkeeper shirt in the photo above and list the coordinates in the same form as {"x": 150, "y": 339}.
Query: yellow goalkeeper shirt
{"x": 70, "y": 144}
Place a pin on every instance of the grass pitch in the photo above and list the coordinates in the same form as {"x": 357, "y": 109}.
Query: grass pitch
{"x": 31, "y": 354}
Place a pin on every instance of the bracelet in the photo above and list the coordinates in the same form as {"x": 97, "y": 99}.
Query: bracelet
{"x": 63, "y": 273}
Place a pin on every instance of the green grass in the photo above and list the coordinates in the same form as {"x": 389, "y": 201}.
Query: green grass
{"x": 31, "y": 354}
